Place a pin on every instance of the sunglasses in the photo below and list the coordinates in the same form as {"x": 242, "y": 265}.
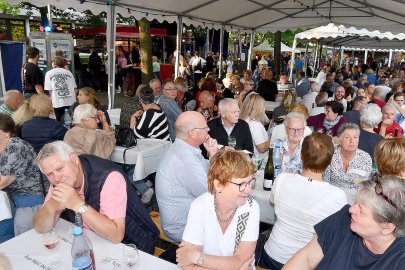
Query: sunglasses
{"x": 379, "y": 191}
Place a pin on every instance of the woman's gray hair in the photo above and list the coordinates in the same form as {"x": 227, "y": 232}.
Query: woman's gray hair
{"x": 297, "y": 115}
{"x": 62, "y": 149}
{"x": 223, "y": 104}
{"x": 83, "y": 112}
{"x": 370, "y": 115}
{"x": 388, "y": 106}
{"x": 383, "y": 211}
{"x": 347, "y": 126}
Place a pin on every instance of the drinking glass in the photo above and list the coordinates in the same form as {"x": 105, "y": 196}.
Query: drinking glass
{"x": 130, "y": 255}
{"x": 50, "y": 241}
{"x": 232, "y": 141}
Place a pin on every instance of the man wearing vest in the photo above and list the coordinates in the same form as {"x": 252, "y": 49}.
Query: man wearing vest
{"x": 98, "y": 190}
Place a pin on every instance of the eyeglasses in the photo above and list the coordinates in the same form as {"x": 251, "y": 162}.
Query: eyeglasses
{"x": 379, "y": 191}
{"x": 295, "y": 130}
{"x": 170, "y": 89}
{"x": 242, "y": 186}
{"x": 206, "y": 127}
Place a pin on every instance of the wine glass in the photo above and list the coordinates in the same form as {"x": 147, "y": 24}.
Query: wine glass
{"x": 130, "y": 255}
{"x": 232, "y": 141}
{"x": 51, "y": 241}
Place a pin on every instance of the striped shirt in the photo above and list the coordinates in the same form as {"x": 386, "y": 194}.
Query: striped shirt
{"x": 152, "y": 124}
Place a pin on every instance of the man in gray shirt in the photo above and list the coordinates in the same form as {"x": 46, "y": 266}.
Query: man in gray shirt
{"x": 182, "y": 174}
{"x": 353, "y": 116}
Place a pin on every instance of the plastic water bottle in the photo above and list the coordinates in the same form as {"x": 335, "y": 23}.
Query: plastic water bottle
{"x": 277, "y": 158}
{"x": 67, "y": 119}
{"x": 81, "y": 259}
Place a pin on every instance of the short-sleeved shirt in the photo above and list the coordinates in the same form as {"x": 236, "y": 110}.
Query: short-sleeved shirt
{"x": 18, "y": 159}
{"x": 344, "y": 249}
{"x": 391, "y": 129}
{"x": 31, "y": 75}
{"x": 204, "y": 229}
{"x": 291, "y": 164}
{"x": 359, "y": 168}
{"x": 259, "y": 136}
{"x": 113, "y": 196}
{"x": 62, "y": 84}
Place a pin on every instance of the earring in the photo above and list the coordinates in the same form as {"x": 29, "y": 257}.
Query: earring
{"x": 219, "y": 191}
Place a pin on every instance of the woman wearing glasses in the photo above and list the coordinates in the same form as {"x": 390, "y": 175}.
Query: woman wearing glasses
{"x": 300, "y": 201}
{"x": 368, "y": 235}
{"x": 223, "y": 224}
{"x": 85, "y": 138}
{"x": 349, "y": 165}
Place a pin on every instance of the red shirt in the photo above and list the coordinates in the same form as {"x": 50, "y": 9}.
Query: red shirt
{"x": 379, "y": 102}
{"x": 390, "y": 129}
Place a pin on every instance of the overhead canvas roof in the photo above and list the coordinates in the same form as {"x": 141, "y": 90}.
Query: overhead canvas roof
{"x": 259, "y": 15}
{"x": 265, "y": 46}
{"x": 354, "y": 39}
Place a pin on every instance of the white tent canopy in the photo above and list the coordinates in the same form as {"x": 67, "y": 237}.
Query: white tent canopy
{"x": 259, "y": 15}
{"x": 265, "y": 46}
{"x": 353, "y": 38}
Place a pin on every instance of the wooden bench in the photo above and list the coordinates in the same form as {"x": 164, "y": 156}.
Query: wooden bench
{"x": 155, "y": 216}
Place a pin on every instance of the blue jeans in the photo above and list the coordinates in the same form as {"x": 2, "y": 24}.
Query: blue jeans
{"x": 267, "y": 262}
{"x": 140, "y": 185}
{"x": 7, "y": 226}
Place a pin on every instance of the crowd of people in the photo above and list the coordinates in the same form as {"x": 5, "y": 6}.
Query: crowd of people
{"x": 341, "y": 190}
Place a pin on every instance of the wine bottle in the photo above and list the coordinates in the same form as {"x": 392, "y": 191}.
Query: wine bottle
{"x": 269, "y": 172}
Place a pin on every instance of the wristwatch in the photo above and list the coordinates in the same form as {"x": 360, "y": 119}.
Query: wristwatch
{"x": 200, "y": 260}
{"x": 82, "y": 209}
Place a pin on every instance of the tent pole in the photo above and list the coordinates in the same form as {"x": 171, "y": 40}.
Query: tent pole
{"x": 341, "y": 56}
{"x": 292, "y": 59}
{"x": 207, "y": 42}
{"x": 316, "y": 56}
{"x": 365, "y": 57}
{"x": 178, "y": 44}
{"x": 249, "y": 58}
{"x": 221, "y": 44}
{"x": 111, "y": 32}
{"x": 390, "y": 58}
{"x": 239, "y": 45}
{"x": 320, "y": 56}
{"x": 306, "y": 58}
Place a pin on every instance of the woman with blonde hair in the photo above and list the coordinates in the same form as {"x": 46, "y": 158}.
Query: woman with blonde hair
{"x": 22, "y": 115}
{"x": 41, "y": 129}
{"x": 223, "y": 224}
{"x": 289, "y": 100}
{"x": 252, "y": 112}
{"x": 389, "y": 157}
{"x": 85, "y": 138}
{"x": 87, "y": 95}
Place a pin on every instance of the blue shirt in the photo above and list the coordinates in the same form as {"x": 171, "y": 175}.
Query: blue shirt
{"x": 172, "y": 111}
{"x": 181, "y": 177}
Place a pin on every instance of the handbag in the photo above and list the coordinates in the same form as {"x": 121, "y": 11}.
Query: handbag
{"x": 125, "y": 137}
{"x": 5, "y": 208}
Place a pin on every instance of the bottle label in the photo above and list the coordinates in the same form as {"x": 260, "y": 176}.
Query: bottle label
{"x": 277, "y": 169}
{"x": 267, "y": 183}
{"x": 82, "y": 263}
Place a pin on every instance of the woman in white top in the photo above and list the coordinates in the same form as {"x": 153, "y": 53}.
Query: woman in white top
{"x": 301, "y": 201}
{"x": 252, "y": 112}
{"x": 223, "y": 224}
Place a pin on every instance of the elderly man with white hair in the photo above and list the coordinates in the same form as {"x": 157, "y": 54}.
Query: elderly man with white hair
{"x": 370, "y": 117}
{"x": 12, "y": 100}
{"x": 229, "y": 125}
{"x": 388, "y": 127}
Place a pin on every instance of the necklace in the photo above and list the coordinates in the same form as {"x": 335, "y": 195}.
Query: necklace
{"x": 223, "y": 220}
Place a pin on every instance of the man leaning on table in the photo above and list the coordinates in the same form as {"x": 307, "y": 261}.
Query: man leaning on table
{"x": 72, "y": 178}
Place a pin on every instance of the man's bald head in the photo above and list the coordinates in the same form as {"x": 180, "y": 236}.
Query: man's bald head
{"x": 192, "y": 128}
{"x": 13, "y": 99}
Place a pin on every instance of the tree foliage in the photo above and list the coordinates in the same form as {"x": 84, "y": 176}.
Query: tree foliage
{"x": 287, "y": 37}
{"x": 7, "y": 8}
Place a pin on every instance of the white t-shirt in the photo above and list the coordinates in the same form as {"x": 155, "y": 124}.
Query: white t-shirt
{"x": 259, "y": 136}
{"x": 203, "y": 228}
{"x": 62, "y": 84}
{"x": 299, "y": 204}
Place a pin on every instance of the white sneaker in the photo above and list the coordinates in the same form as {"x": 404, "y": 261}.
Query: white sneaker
{"x": 149, "y": 183}
{"x": 147, "y": 195}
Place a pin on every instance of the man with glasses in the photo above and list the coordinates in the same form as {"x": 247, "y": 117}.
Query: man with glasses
{"x": 169, "y": 105}
{"x": 182, "y": 174}
{"x": 339, "y": 96}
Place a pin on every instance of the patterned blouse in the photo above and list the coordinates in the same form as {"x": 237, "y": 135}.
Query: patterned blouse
{"x": 359, "y": 170}
{"x": 18, "y": 159}
{"x": 291, "y": 164}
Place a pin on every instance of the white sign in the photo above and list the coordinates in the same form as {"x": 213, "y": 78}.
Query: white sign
{"x": 64, "y": 45}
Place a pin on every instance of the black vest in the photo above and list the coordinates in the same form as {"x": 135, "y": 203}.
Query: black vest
{"x": 139, "y": 227}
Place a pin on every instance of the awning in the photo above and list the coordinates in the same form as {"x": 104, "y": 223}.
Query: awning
{"x": 122, "y": 31}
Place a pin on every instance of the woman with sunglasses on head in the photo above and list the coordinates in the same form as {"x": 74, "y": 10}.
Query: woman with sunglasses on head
{"x": 300, "y": 201}
{"x": 368, "y": 235}
{"x": 85, "y": 138}
{"x": 223, "y": 224}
